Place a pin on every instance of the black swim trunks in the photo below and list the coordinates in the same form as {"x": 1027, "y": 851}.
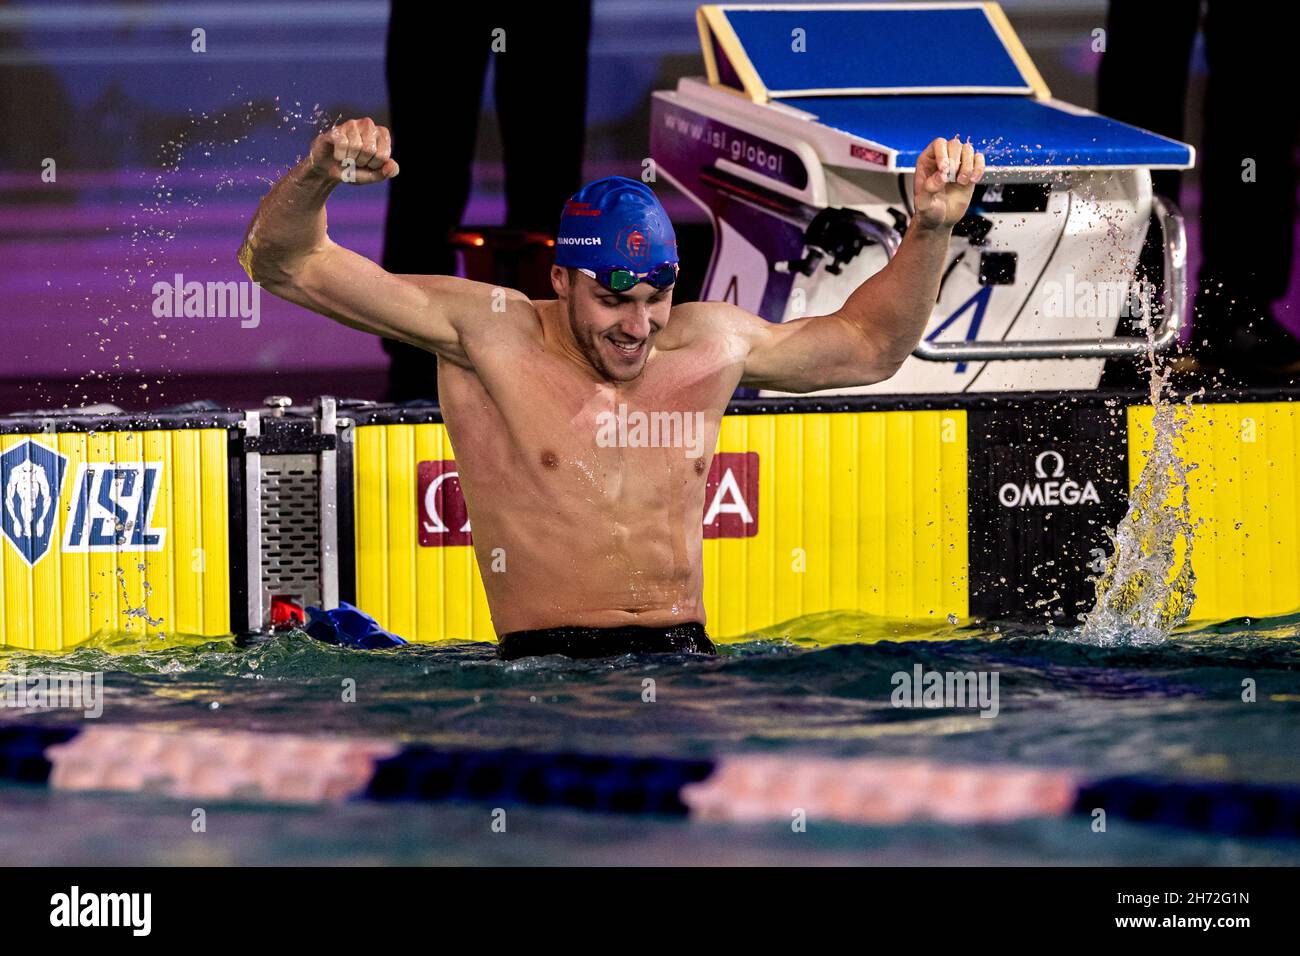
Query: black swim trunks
{"x": 606, "y": 641}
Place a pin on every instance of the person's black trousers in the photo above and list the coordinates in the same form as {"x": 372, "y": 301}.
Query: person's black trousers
{"x": 435, "y": 88}
{"x": 1250, "y": 116}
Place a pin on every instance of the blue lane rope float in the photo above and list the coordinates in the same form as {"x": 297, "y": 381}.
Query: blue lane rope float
{"x": 297, "y": 768}
{"x": 1230, "y": 809}
{"x": 22, "y": 751}
{"x": 581, "y": 781}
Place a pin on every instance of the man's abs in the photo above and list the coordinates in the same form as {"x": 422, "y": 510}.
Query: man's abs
{"x": 553, "y": 570}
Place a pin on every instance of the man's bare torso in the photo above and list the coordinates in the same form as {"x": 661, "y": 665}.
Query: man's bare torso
{"x": 570, "y": 528}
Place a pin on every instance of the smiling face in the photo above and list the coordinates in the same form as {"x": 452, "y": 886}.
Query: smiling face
{"x": 614, "y": 331}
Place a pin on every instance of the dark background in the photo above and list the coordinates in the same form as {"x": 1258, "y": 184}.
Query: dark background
{"x": 162, "y": 153}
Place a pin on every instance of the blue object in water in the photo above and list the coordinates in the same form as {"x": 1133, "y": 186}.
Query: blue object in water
{"x": 349, "y": 626}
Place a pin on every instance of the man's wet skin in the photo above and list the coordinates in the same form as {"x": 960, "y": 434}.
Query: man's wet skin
{"x": 590, "y": 535}
{"x": 570, "y": 530}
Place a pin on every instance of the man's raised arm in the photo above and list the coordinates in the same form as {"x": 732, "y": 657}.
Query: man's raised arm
{"x": 288, "y": 252}
{"x": 868, "y": 339}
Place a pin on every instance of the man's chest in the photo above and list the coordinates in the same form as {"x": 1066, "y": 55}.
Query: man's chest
{"x": 544, "y": 417}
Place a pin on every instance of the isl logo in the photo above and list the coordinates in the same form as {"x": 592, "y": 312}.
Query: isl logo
{"x": 31, "y": 476}
{"x": 112, "y": 508}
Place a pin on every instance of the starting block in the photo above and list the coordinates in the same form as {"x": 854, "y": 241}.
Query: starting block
{"x": 801, "y": 144}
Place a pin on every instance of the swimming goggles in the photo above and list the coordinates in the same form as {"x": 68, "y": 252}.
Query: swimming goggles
{"x": 619, "y": 279}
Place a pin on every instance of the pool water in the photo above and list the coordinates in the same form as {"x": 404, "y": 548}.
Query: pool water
{"x": 817, "y": 685}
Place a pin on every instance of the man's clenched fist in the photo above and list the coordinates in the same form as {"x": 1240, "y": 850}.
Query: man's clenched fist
{"x": 946, "y": 174}
{"x": 357, "y": 151}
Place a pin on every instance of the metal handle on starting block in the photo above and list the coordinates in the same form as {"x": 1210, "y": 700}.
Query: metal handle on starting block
{"x": 1174, "y": 296}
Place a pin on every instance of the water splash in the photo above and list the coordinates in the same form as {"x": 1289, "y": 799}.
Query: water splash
{"x": 163, "y": 226}
{"x": 141, "y": 612}
{"x": 1146, "y": 587}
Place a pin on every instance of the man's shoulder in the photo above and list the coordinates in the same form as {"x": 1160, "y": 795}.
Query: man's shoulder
{"x": 489, "y": 320}
{"x": 477, "y": 300}
{"x": 710, "y": 317}
{"x": 693, "y": 322}
{"x": 495, "y": 311}
{"x": 698, "y": 311}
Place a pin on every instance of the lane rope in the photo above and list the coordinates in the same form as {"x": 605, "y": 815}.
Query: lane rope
{"x": 873, "y": 791}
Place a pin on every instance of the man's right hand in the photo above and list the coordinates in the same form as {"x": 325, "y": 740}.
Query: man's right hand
{"x": 288, "y": 252}
{"x": 357, "y": 151}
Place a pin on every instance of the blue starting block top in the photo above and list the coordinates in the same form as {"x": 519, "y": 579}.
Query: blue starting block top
{"x": 895, "y": 76}
{"x": 858, "y": 50}
{"x": 1011, "y": 131}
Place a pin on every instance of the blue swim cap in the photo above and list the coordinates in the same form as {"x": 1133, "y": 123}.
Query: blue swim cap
{"x": 614, "y": 222}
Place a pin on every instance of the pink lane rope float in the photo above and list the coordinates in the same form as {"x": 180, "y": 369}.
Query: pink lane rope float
{"x": 750, "y": 789}
{"x": 280, "y": 768}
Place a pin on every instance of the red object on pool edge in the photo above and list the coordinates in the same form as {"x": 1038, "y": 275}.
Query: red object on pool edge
{"x": 286, "y": 613}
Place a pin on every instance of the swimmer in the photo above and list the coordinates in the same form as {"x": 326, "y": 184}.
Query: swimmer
{"x": 584, "y": 425}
